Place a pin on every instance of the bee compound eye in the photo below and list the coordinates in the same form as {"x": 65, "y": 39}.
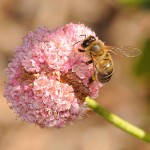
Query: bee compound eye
{"x": 85, "y": 44}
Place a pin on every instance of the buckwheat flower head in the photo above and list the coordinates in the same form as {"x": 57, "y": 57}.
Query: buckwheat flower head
{"x": 48, "y": 80}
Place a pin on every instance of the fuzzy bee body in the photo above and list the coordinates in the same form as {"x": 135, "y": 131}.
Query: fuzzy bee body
{"x": 100, "y": 55}
{"x": 103, "y": 68}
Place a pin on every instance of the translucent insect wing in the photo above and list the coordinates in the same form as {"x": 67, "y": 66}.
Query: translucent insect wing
{"x": 127, "y": 51}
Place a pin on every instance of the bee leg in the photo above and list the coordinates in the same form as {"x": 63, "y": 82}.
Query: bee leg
{"x": 92, "y": 78}
{"x": 89, "y": 62}
{"x": 81, "y": 50}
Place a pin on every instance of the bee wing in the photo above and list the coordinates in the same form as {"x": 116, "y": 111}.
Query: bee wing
{"x": 127, "y": 51}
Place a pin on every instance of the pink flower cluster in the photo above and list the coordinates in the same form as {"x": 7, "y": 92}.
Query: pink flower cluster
{"x": 47, "y": 79}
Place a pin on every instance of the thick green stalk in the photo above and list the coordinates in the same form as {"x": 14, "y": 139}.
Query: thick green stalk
{"x": 117, "y": 121}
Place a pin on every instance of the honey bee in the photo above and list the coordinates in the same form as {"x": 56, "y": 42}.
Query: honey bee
{"x": 100, "y": 56}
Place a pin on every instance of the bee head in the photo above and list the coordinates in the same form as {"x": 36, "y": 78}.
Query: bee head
{"x": 88, "y": 41}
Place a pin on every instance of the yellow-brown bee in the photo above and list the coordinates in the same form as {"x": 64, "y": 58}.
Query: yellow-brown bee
{"x": 101, "y": 57}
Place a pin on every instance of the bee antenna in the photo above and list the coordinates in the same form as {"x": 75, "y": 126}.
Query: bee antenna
{"x": 80, "y": 41}
{"x": 76, "y": 43}
{"x": 83, "y": 35}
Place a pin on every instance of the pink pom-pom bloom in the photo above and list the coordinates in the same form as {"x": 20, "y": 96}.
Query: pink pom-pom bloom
{"x": 48, "y": 80}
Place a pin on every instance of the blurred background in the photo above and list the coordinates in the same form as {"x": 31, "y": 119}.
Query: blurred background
{"x": 116, "y": 22}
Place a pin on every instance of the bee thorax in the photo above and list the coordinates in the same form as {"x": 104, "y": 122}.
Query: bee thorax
{"x": 95, "y": 50}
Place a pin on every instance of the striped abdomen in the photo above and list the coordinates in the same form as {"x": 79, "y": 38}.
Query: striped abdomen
{"x": 104, "y": 69}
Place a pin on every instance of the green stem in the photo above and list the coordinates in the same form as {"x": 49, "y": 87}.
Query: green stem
{"x": 117, "y": 121}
